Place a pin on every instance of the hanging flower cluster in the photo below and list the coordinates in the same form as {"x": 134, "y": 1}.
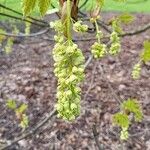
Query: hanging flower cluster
{"x": 98, "y": 49}
{"x": 136, "y": 71}
{"x": 69, "y": 69}
{"x": 115, "y": 40}
{"x": 79, "y": 27}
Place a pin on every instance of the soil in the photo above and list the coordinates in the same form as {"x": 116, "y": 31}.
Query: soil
{"x": 26, "y": 75}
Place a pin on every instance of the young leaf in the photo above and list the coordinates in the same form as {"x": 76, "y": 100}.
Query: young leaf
{"x": 146, "y": 53}
{"x": 125, "y": 18}
{"x": 11, "y": 104}
{"x": 116, "y": 25}
{"x": 22, "y": 108}
{"x": 28, "y": 6}
{"x": 43, "y": 6}
{"x": 24, "y": 122}
{"x": 133, "y": 106}
{"x": 121, "y": 120}
{"x": 9, "y": 44}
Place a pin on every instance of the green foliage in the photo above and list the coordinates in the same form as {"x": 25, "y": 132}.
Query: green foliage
{"x": 21, "y": 115}
{"x": 27, "y": 28}
{"x": 43, "y": 6}
{"x": 122, "y": 118}
{"x": 20, "y": 112}
{"x": 22, "y": 109}
{"x": 146, "y": 53}
{"x": 109, "y": 5}
{"x": 144, "y": 57}
{"x": 24, "y": 123}
{"x": 9, "y": 40}
{"x": 29, "y": 5}
{"x": 116, "y": 24}
{"x": 125, "y": 18}
{"x": 9, "y": 44}
{"x": 136, "y": 71}
{"x": 133, "y": 106}
{"x": 11, "y": 104}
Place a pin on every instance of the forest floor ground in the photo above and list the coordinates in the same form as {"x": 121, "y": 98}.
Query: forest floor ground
{"x": 26, "y": 75}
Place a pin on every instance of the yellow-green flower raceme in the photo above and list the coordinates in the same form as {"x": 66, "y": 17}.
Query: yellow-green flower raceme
{"x": 69, "y": 69}
{"x": 98, "y": 50}
{"x": 115, "y": 43}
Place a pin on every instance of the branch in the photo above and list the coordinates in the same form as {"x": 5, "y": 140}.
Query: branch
{"x": 18, "y": 18}
{"x": 138, "y": 31}
{"x": 91, "y": 83}
{"x": 109, "y": 85}
{"x": 85, "y": 2}
{"x": 95, "y": 134}
{"x": 130, "y": 33}
{"x": 24, "y": 35}
{"x": 88, "y": 61}
{"x": 100, "y": 23}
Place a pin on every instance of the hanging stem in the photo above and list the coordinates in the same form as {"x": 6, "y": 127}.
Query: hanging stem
{"x": 97, "y": 31}
{"x": 69, "y": 20}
